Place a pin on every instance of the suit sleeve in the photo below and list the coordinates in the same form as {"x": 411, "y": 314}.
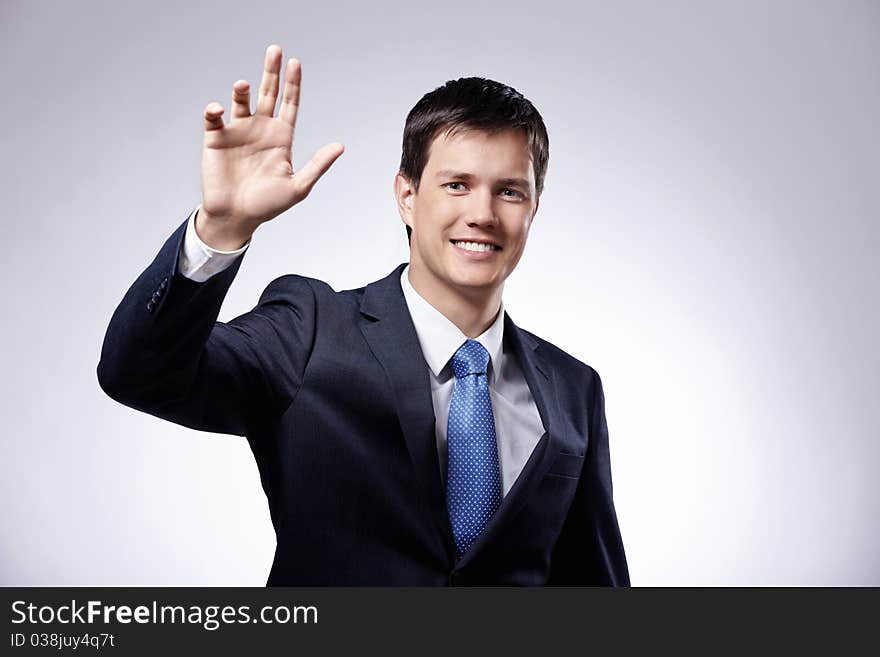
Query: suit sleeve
{"x": 165, "y": 354}
{"x": 589, "y": 551}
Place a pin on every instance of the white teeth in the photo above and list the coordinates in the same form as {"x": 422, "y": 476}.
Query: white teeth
{"x": 475, "y": 246}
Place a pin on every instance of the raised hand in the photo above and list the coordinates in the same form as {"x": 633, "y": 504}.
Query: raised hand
{"x": 247, "y": 166}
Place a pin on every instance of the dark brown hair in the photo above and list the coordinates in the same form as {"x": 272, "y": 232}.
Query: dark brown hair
{"x": 471, "y": 103}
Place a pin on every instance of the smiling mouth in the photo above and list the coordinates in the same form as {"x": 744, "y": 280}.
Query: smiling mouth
{"x": 476, "y": 247}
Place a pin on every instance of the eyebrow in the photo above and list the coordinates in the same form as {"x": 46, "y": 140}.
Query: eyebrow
{"x": 516, "y": 182}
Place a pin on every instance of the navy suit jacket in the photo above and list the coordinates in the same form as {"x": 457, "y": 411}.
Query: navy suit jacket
{"x": 332, "y": 392}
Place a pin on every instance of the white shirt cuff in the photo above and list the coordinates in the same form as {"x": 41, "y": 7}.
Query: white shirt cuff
{"x": 197, "y": 260}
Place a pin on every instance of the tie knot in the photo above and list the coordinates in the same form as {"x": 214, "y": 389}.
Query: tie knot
{"x": 471, "y": 358}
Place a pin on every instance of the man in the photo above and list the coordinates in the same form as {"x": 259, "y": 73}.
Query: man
{"x": 406, "y": 432}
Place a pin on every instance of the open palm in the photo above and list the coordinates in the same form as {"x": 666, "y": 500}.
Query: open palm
{"x": 247, "y": 167}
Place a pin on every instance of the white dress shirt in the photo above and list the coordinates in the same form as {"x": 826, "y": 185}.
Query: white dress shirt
{"x": 518, "y": 426}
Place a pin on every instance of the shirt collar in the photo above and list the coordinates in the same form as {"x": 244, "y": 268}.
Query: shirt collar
{"x": 440, "y": 338}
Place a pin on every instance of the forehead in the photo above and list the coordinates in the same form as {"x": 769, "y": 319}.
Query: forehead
{"x": 504, "y": 154}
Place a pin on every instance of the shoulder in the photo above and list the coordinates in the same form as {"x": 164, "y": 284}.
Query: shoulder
{"x": 297, "y": 289}
{"x": 570, "y": 368}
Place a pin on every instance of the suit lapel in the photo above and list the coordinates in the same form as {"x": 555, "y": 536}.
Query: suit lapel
{"x": 387, "y": 327}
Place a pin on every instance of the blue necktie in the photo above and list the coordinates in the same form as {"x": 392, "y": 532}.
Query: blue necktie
{"x": 473, "y": 481}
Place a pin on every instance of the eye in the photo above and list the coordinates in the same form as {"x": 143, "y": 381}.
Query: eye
{"x": 512, "y": 193}
{"x": 455, "y": 186}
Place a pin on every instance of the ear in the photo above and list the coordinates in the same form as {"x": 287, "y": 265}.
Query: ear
{"x": 404, "y": 194}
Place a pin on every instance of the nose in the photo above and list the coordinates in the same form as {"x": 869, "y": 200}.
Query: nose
{"x": 481, "y": 211}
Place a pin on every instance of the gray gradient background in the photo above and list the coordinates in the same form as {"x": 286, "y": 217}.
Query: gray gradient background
{"x": 707, "y": 241}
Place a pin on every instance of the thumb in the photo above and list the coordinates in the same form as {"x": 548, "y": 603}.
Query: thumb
{"x": 307, "y": 176}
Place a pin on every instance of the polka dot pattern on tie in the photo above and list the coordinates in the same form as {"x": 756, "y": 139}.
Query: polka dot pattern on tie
{"x": 473, "y": 482}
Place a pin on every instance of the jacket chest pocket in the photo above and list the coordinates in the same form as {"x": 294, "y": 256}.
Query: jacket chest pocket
{"x": 566, "y": 465}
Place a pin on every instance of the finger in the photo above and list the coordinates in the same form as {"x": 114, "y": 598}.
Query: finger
{"x": 269, "y": 84}
{"x": 306, "y": 177}
{"x": 290, "y": 97}
{"x": 213, "y": 117}
{"x": 241, "y": 99}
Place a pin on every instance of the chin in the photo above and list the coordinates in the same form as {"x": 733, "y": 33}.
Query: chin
{"x": 475, "y": 281}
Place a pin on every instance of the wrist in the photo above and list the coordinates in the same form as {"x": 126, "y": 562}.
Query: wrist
{"x": 220, "y": 234}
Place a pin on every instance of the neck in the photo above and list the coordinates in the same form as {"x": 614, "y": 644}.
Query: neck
{"x": 472, "y": 311}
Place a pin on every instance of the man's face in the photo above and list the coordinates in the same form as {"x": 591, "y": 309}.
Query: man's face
{"x": 478, "y": 188}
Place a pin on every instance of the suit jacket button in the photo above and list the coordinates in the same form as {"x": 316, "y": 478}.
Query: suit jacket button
{"x": 164, "y": 283}
{"x": 150, "y": 305}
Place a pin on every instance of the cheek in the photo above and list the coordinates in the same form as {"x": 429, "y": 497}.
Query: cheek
{"x": 436, "y": 212}
{"x": 518, "y": 224}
